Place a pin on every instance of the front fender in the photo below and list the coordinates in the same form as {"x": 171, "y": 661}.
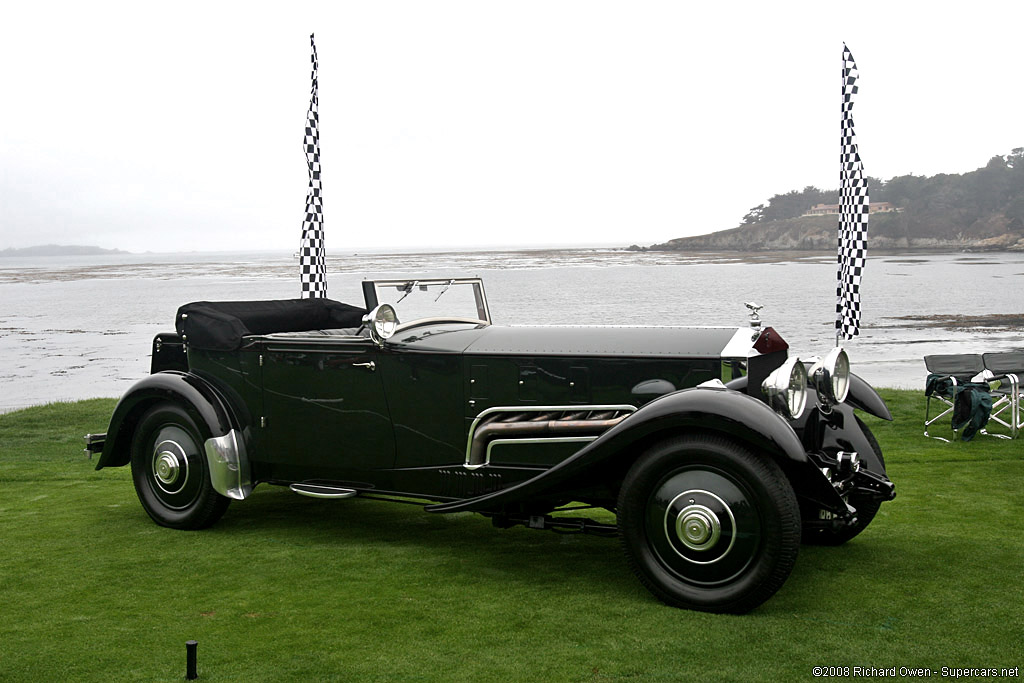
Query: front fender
{"x": 864, "y": 397}
{"x": 203, "y": 402}
{"x": 731, "y": 413}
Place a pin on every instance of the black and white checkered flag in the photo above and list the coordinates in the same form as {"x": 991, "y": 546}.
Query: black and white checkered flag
{"x": 312, "y": 265}
{"x": 853, "y": 212}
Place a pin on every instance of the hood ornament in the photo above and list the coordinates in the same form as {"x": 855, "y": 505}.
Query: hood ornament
{"x": 755, "y": 320}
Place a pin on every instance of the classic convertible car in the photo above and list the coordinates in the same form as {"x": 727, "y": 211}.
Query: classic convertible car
{"x": 716, "y": 451}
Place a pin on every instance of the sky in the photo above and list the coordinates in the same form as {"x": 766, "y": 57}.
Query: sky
{"x": 178, "y": 127}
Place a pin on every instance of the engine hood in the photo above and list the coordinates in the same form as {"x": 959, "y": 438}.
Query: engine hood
{"x": 678, "y": 342}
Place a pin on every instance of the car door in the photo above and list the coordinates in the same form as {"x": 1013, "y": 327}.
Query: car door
{"x": 325, "y": 412}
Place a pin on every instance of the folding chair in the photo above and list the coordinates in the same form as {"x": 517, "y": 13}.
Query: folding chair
{"x": 950, "y": 376}
{"x": 1008, "y": 369}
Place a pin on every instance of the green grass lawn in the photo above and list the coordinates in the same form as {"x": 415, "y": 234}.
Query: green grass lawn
{"x": 286, "y": 587}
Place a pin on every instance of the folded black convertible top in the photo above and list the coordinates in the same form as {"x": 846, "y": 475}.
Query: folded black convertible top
{"x": 220, "y": 325}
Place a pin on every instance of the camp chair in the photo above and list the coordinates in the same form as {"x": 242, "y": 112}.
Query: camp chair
{"x": 968, "y": 403}
{"x": 1008, "y": 369}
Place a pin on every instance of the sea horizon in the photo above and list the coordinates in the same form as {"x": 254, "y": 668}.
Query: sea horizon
{"x": 82, "y": 326}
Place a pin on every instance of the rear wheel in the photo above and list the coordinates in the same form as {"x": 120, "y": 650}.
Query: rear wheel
{"x": 170, "y": 472}
{"x": 708, "y": 525}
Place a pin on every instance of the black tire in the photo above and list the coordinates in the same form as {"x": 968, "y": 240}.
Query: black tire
{"x": 675, "y": 497}
{"x": 867, "y": 508}
{"x": 170, "y": 471}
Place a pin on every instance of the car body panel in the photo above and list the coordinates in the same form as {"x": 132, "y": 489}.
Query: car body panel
{"x": 715, "y": 410}
{"x": 338, "y": 408}
{"x": 398, "y": 415}
{"x": 604, "y": 341}
{"x": 428, "y": 391}
{"x": 324, "y": 408}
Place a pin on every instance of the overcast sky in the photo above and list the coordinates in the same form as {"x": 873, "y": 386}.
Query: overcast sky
{"x": 172, "y": 127}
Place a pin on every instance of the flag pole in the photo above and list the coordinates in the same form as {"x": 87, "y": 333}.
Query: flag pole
{"x": 854, "y": 207}
{"x": 312, "y": 257}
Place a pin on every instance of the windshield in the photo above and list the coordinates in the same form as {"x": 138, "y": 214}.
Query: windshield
{"x": 441, "y": 299}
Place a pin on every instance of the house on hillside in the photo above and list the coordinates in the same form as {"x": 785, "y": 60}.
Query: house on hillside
{"x": 829, "y": 209}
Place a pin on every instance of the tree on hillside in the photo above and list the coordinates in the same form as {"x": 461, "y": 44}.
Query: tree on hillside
{"x": 790, "y": 205}
{"x": 981, "y": 202}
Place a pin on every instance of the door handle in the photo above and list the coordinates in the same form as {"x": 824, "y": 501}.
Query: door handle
{"x": 371, "y": 366}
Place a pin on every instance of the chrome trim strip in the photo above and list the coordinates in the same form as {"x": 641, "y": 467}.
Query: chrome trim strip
{"x": 425, "y": 281}
{"x": 307, "y": 336}
{"x": 528, "y": 409}
{"x": 438, "y": 321}
{"x": 534, "y": 439}
{"x": 229, "y": 466}
{"x": 595, "y": 326}
{"x": 285, "y": 344}
{"x": 327, "y": 492}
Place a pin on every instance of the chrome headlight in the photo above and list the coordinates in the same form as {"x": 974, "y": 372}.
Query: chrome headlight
{"x": 786, "y": 388}
{"x": 831, "y": 377}
{"x": 382, "y": 321}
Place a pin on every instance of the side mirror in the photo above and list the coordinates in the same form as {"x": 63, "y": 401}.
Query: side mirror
{"x": 382, "y": 321}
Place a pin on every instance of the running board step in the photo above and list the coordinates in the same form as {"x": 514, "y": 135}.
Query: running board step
{"x": 321, "y": 491}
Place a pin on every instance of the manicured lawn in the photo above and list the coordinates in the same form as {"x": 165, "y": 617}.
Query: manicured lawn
{"x": 291, "y": 588}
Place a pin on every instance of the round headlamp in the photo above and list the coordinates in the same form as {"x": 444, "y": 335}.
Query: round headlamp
{"x": 786, "y": 388}
{"x": 831, "y": 377}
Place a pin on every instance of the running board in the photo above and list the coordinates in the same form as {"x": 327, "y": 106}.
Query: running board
{"x": 321, "y": 491}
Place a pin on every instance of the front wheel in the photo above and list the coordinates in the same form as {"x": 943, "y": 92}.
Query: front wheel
{"x": 170, "y": 472}
{"x": 708, "y": 525}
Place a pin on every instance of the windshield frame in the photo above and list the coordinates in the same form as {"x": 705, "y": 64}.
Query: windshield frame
{"x": 372, "y": 289}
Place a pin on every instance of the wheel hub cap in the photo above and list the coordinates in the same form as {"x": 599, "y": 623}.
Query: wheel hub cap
{"x": 170, "y": 466}
{"x": 698, "y": 527}
{"x": 703, "y": 525}
{"x": 166, "y": 467}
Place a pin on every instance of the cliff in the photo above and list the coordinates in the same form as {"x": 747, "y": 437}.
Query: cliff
{"x": 819, "y": 233}
{"x": 976, "y": 211}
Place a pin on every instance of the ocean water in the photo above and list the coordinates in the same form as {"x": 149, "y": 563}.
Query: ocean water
{"x": 81, "y": 327}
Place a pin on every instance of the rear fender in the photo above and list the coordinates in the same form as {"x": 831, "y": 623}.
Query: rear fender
{"x": 203, "y": 402}
{"x": 730, "y": 413}
{"x": 225, "y": 450}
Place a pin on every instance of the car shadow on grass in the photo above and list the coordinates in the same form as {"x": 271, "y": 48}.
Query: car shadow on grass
{"x": 465, "y": 543}
{"x": 466, "y": 548}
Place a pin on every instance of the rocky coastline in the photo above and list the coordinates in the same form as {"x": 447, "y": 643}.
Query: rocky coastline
{"x": 818, "y": 233}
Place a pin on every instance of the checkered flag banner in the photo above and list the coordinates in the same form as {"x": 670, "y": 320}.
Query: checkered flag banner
{"x": 312, "y": 265}
{"x": 853, "y": 212}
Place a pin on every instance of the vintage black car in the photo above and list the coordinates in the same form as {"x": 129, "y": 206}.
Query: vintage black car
{"x": 715, "y": 450}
